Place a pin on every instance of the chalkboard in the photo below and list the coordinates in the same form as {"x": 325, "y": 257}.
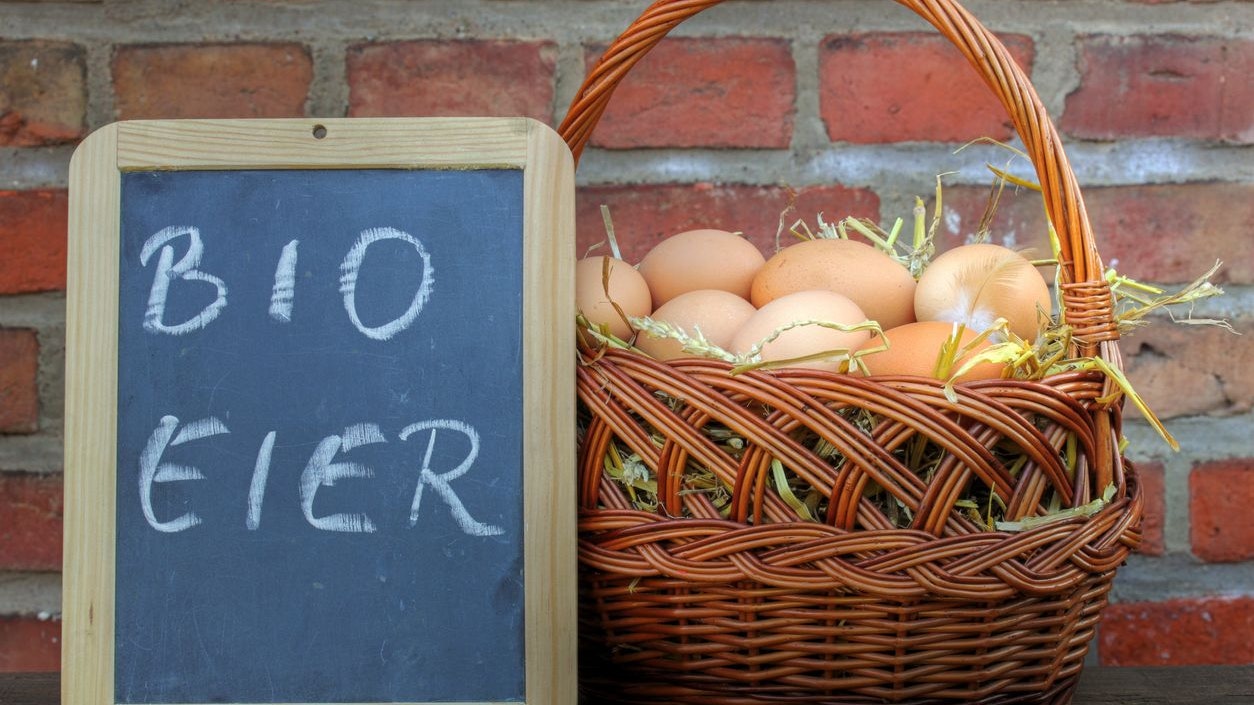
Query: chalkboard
{"x": 341, "y": 426}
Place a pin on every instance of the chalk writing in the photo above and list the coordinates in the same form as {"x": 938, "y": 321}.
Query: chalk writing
{"x": 257, "y": 487}
{"x": 152, "y": 470}
{"x": 322, "y": 472}
{"x": 283, "y": 295}
{"x": 440, "y": 482}
{"x": 348, "y": 282}
{"x": 185, "y": 269}
{"x": 325, "y": 468}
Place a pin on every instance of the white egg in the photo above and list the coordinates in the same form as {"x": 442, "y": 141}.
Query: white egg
{"x": 977, "y": 284}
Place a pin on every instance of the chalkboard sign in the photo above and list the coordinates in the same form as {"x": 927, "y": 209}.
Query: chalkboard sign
{"x": 319, "y": 414}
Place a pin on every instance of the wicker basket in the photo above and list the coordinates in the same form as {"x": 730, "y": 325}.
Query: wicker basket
{"x": 760, "y": 608}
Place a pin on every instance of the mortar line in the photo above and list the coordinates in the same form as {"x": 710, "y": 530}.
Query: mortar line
{"x": 329, "y": 90}
{"x": 139, "y": 21}
{"x": 1176, "y": 510}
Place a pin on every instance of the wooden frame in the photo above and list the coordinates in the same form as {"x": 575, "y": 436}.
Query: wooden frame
{"x": 92, "y": 348}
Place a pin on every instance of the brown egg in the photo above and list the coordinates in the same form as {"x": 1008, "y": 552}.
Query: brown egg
{"x": 700, "y": 259}
{"x": 827, "y": 306}
{"x": 717, "y": 314}
{"x": 977, "y": 284}
{"x": 625, "y": 287}
{"x": 915, "y": 348}
{"x": 878, "y": 284}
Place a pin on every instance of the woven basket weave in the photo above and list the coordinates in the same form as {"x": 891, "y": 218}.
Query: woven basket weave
{"x": 688, "y": 606}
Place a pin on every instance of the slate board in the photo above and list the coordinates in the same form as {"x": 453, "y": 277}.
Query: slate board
{"x": 241, "y": 586}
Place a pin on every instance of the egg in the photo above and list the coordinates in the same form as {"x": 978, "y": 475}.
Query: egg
{"x": 624, "y": 286}
{"x": 700, "y": 259}
{"x": 915, "y": 348}
{"x": 878, "y": 284}
{"x": 715, "y": 313}
{"x": 977, "y": 284}
{"x": 821, "y": 305}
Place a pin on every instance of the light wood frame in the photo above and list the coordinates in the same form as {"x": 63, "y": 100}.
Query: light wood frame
{"x": 87, "y": 659}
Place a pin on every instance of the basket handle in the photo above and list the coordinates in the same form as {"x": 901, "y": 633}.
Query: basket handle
{"x": 1086, "y": 297}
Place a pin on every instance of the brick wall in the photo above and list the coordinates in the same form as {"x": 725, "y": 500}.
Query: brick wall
{"x": 848, "y": 106}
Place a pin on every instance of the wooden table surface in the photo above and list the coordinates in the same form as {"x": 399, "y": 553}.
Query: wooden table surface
{"x": 1203, "y": 685}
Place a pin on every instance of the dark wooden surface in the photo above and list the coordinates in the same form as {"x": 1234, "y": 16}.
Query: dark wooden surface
{"x": 1197, "y": 685}
{"x": 1203, "y": 685}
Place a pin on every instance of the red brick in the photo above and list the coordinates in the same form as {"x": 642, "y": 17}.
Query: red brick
{"x": 1151, "y": 476}
{"x": 212, "y": 80}
{"x": 644, "y": 215}
{"x": 29, "y": 644}
{"x": 19, "y": 386}
{"x": 31, "y": 511}
{"x": 1166, "y": 233}
{"x": 43, "y": 93}
{"x": 1188, "y": 370}
{"x": 703, "y": 93}
{"x": 907, "y": 87}
{"x": 452, "y": 78}
{"x": 33, "y": 237}
{"x": 1175, "y": 233}
{"x": 1192, "y": 632}
{"x": 1163, "y": 86}
{"x": 1220, "y": 496}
